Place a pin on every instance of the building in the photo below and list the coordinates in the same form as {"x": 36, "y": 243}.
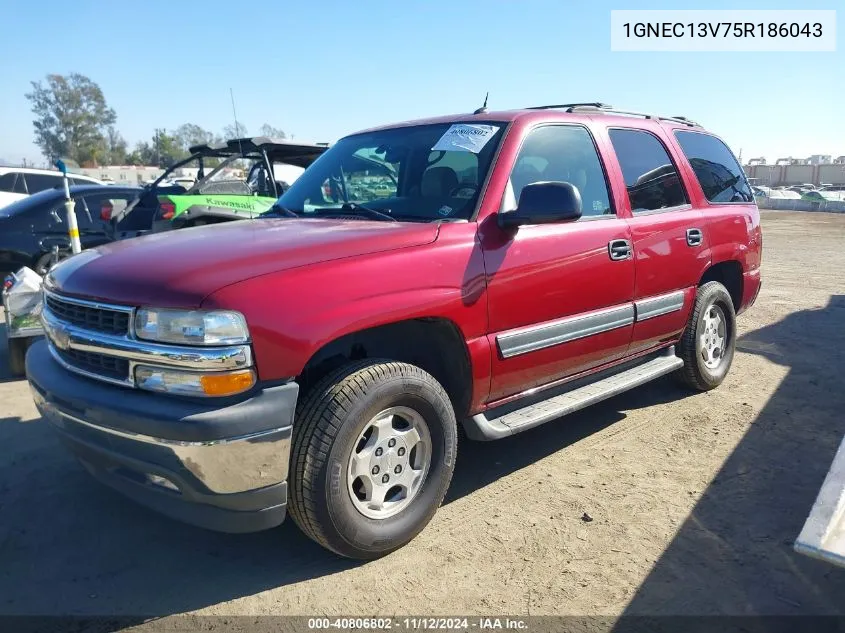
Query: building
{"x": 127, "y": 175}
{"x": 820, "y": 159}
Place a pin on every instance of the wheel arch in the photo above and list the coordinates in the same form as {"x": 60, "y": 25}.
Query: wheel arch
{"x": 435, "y": 344}
{"x": 729, "y": 274}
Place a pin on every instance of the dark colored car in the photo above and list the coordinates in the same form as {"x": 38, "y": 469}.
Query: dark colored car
{"x": 495, "y": 270}
{"x": 32, "y": 227}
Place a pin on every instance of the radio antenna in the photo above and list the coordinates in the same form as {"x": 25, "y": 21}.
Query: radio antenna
{"x": 238, "y": 135}
{"x": 483, "y": 109}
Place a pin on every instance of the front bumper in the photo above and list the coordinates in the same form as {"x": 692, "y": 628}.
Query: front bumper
{"x": 220, "y": 464}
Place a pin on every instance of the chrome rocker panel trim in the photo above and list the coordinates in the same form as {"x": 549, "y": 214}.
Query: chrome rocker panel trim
{"x": 659, "y": 305}
{"x": 536, "y": 337}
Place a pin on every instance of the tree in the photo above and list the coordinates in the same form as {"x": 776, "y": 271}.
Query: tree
{"x": 116, "y": 149}
{"x": 71, "y": 117}
{"x": 189, "y": 134}
{"x": 143, "y": 154}
{"x": 166, "y": 149}
{"x": 271, "y": 132}
{"x": 236, "y": 130}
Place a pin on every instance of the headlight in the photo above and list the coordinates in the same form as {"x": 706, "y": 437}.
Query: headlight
{"x": 191, "y": 327}
{"x": 189, "y": 383}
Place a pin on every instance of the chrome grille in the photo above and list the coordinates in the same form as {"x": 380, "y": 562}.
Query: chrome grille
{"x": 100, "y": 364}
{"x": 90, "y": 317}
{"x": 94, "y": 339}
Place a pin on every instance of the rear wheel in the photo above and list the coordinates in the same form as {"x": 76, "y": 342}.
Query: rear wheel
{"x": 708, "y": 343}
{"x": 374, "y": 447}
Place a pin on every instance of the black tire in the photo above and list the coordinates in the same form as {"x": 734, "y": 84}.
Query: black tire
{"x": 696, "y": 373}
{"x": 17, "y": 356}
{"x": 329, "y": 420}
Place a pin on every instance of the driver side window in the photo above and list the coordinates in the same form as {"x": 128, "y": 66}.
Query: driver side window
{"x": 561, "y": 153}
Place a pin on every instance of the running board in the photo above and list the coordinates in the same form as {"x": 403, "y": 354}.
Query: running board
{"x": 514, "y": 420}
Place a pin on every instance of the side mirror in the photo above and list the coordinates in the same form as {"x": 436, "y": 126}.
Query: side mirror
{"x": 544, "y": 203}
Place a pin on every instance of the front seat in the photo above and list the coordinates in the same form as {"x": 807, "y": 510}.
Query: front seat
{"x": 524, "y": 174}
{"x": 438, "y": 182}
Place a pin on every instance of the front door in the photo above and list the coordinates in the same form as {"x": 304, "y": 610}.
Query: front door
{"x": 560, "y": 296}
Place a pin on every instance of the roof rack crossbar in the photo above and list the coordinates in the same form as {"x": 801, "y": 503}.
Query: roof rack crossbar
{"x": 570, "y": 106}
{"x": 609, "y": 109}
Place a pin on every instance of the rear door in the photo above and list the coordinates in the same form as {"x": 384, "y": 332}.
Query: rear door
{"x": 730, "y": 211}
{"x": 670, "y": 244}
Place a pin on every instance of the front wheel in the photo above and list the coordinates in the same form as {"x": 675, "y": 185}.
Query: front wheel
{"x": 374, "y": 447}
{"x": 708, "y": 343}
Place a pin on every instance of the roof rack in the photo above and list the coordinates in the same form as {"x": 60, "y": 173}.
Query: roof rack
{"x": 605, "y": 108}
{"x": 570, "y": 106}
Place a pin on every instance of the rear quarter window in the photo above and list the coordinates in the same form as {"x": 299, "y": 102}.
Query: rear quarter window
{"x": 718, "y": 172}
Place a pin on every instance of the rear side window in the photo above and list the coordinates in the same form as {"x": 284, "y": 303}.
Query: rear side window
{"x": 103, "y": 208}
{"x": 40, "y": 182}
{"x": 12, "y": 183}
{"x": 718, "y": 172}
{"x": 650, "y": 176}
{"x": 7, "y": 182}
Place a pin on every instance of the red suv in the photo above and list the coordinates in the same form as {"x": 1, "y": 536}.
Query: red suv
{"x": 491, "y": 272}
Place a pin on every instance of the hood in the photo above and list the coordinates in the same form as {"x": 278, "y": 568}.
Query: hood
{"x": 180, "y": 268}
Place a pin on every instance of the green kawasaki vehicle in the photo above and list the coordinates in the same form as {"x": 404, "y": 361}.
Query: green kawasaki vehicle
{"x": 251, "y": 176}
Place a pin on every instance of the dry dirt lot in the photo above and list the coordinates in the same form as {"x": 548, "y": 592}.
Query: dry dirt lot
{"x": 695, "y": 498}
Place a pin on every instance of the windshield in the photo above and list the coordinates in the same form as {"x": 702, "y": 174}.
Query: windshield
{"x": 233, "y": 175}
{"x": 417, "y": 173}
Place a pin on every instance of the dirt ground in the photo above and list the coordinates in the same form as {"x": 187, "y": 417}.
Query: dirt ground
{"x": 695, "y": 499}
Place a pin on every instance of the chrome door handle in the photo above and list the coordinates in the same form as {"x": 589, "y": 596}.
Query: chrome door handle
{"x": 619, "y": 250}
{"x": 694, "y": 237}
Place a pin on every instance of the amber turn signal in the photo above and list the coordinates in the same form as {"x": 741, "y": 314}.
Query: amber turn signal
{"x": 227, "y": 384}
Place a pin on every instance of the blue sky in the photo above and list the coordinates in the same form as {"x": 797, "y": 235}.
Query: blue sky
{"x": 322, "y": 69}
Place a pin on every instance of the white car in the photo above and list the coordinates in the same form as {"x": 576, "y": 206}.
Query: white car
{"x": 20, "y": 182}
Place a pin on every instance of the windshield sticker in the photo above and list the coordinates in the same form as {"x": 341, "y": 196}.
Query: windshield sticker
{"x": 465, "y": 137}
{"x": 444, "y": 210}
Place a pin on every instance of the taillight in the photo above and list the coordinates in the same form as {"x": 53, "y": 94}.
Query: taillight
{"x": 166, "y": 210}
{"x": 106, "y": 209}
